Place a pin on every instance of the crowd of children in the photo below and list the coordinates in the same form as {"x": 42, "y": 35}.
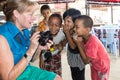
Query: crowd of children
{"x": 82, "y": 46}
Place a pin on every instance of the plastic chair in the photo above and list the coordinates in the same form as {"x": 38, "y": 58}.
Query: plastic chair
{"x": 113, "y": 41}
{"x": 116, "y": 43}
{"x": 103, "y": 37}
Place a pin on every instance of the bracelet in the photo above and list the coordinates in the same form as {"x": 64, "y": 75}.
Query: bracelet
{"x": 27, "y": 57}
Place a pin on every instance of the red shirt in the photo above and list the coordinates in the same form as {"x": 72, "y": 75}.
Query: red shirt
{"x": 95, "y": 50}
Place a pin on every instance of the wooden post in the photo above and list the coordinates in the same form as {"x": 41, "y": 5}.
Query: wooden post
{"x": 66, "y": 5}
{"x": 111, "y": 14}
{"x": 87, "y": 7}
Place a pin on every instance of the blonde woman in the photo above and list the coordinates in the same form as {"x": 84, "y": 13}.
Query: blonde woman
{"x": 16, "y": 46}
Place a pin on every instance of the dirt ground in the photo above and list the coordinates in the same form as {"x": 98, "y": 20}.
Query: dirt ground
{"x": 66, "y": 74}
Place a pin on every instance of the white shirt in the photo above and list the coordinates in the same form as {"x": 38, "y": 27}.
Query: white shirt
{"x": 59, "y": 37}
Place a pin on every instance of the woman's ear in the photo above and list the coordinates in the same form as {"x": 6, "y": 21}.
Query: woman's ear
{"x": 16, "y": 13}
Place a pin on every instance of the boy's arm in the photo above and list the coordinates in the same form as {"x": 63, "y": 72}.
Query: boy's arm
{"x": 85, "y": 58}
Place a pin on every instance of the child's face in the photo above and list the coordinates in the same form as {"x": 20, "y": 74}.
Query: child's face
{"x": 54, "y": 25}
{"x": 68, "y": 21}
{"x": 46, "y": 13}
{"x": 80, "y": 28}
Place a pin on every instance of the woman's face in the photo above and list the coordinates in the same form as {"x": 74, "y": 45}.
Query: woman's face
{"x": 68, "y": 21}
{"x": 54, "y": 25}
{"x": 25, "y": 20}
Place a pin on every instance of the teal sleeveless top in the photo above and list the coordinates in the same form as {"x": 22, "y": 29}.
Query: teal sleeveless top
{"x": 18, "y": 42}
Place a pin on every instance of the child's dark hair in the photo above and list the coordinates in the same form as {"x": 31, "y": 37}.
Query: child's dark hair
{"x": 44, "y": 7}
{"x": 87, "y": 21}
{"x": 56, "y": 15}
{"x": 73, "y": 13}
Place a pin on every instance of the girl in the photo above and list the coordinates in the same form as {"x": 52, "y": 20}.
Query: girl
{"x": 55, "y": 23}
{"x": 74, "y": 59}
{"x": 45, "y": 11}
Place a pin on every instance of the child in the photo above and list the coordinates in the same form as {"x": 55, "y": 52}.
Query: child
{"x": 91, "y": 49}
{"x": 45, "y": 11}
{"x": 55, "y": 23}
{"x": 74, "y": 59}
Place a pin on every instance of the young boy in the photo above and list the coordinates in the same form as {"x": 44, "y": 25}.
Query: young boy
{"x": 45, "y": 11}
{"x": 74, "y": 59}
{"x": 91, "y": 49}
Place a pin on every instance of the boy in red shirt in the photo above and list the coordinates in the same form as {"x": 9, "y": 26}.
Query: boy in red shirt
{"x": 91, "y": 49}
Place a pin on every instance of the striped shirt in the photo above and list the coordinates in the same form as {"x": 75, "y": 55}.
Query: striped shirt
{"x": 74, "y": 60}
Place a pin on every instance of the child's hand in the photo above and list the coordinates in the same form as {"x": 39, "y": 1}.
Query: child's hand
{"x": 66, "y": 28}
{"x": 77, "y": 39}
{"x": 60, "y": 47}
{"x": 41, "y": 62}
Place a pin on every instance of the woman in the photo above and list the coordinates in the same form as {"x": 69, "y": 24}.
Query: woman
{"x": 16, "y": 48}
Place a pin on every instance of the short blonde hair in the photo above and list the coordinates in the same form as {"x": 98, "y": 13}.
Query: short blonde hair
{"x": 19, "y": 5}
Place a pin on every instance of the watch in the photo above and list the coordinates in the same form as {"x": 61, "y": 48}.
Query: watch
{"x": 28, "y": 57}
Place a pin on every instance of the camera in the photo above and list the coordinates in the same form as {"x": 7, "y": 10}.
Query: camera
{"x": 45, "y": 37}
{"x": 46, "y": 55}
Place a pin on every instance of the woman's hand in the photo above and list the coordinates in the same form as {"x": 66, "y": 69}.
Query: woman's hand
{"x": 47, "y": 46}
{"x": 33, "y": 43}
{"x": 40, "y": 47}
